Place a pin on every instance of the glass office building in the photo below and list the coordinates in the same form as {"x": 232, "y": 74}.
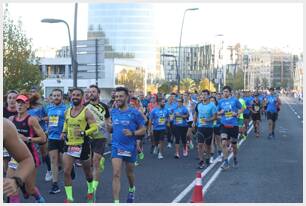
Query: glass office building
{"x": 128, "y": 28}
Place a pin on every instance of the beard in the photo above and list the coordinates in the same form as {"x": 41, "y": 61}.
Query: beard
{"x": 76, "y": 102}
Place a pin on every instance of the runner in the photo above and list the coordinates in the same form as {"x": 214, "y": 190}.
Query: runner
{"x": 241, "y": 126}
{"x": 38, "y": 111}
{"x": 159, "y": 118}
{"x": 31, "y": 133}
{"x": 19, "y": 151}
{"x": 9, "y": 110}
{"x": 255, "y": 110}
{"x": 56, "y": 117}
{"x": 272, "y": 102}
{"x": 127, "y": 123}
{"x": 170, "y": 106}
{"x": 190, "y": 105}
{"x": 229, "y": 108}
{"x": 205, "y": 114}
{"x": 216, "y": 130}
{"x": 180, "y": 128}
{"x": 246, "y": 112}
{"x": 77, "y": 145}
{"x": 99, "y": 138}
{"x": 134, "y": 103}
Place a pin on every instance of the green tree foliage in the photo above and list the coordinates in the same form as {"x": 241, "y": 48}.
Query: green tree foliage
{"x": 21, "y": 70}
{"x": 206, "y": 84}
{"x": 265, "y": 83}
{"x": 235, "y": 81}
{"x": 131, "y": 78}
{"x": 187, "y": 85}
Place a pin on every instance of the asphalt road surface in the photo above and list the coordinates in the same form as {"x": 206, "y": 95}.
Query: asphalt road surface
{"x": 269, "y": 171}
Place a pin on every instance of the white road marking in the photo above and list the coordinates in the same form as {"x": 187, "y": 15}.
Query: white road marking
{"x": 298, "y": 117}
{"x": 217, "y": 173}
{"x": 191, "y": 185}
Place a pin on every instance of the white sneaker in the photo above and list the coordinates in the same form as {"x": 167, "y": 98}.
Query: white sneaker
{"x": 211, "y": 160}
{"x": 160, "y": 156}
{"x": 48, "y": 176}
{"x": 155, "y": 151}
{"x": 169, "y": 145}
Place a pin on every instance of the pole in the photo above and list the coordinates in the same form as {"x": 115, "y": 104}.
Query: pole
{"x": 179, "y": 56}
{"x": 96, "y": 48}
{"x": 75, "y": 64}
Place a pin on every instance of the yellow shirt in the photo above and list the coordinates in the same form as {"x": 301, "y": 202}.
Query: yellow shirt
{"x": 73, "y": 124}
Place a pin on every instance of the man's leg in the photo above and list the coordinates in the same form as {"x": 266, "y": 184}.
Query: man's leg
{"x": 54, "y": 155}
{"x": 116, "y": 163}
{"x": 68, "y": 161}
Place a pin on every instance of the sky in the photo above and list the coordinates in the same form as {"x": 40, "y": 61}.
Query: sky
{"x": 253, "y": 24}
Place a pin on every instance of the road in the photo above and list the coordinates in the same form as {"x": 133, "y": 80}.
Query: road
{"x": 269, "y": 171}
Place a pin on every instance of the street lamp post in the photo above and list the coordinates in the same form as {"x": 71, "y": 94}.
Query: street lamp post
{"x": 177, "y": 71}
{"x": 73, "y": 52}
{"x": 179, "y": 56}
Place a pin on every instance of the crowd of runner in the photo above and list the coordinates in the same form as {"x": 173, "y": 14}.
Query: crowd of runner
{"x": 65, "y": 130}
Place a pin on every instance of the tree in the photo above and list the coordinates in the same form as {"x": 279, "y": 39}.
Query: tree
{"x": 131, "y": 78}
{"x": 206, "y": 84}
{"x": 235, "y": 81}
{"x": 265, "y": 83}
{"x": 21, "y": 70}
{"x": 187, "y": 85}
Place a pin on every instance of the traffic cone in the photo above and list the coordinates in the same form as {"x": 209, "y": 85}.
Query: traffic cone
{"x": 197, "y": 195}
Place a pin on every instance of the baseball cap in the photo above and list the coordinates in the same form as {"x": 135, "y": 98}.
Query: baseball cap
{"x": 22, "y": 98}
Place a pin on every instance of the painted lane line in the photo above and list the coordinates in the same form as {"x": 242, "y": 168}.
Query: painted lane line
{"x": 211, "y": 166}
{"x": 191, "y": 185}
{"x": 298, "y": 117}
{"x": 217, "y": 173}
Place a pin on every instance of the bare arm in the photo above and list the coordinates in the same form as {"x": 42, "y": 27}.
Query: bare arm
{"x": 16, "y": 147}
{"x": 41, "y": 138}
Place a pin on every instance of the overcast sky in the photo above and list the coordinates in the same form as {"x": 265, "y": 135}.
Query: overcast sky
{"x": 253, "y": 24}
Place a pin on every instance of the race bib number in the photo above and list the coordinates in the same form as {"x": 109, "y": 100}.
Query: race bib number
{"x": 74, "y": 151}
{"x": 124, "y": 153}
{"x": 171, "y": 116}
{"x": 256, "y": 108}
{"x": 228, "y": 114}
{"x": 53, "y": 121}
{"x": 13, "y": 164}
{"x": 179, "y": 120}
{"x": 5, "y": 153}
{"x": 161, "y": 121}
{"x": 202, "y": 121}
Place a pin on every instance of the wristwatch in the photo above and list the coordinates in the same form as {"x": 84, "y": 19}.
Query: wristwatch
{"x": 133, "y": 133}
{"x": 82, "y": 133}
{"x": 29, "y": 140}
{"x": 18, "y": 181}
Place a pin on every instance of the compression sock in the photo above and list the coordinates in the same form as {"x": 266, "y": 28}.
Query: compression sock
{"x": 90, "y": 188}
{"x": 68, "y": 190}
{"x": 95, "y": 184}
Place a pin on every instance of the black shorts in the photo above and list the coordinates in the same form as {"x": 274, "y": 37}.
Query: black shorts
{"x": 217, "y": 130}
{"x": 180, "y": 134}
{"x": 246, "y": 116}
{"x": 204, "y": 135}
{"x": 231, "y": 133}
{"x": 256, "y": 116}
{"x": 272, "y": 115}
{"x": 140, "y": 137}
{"x": 85, "y": 154}
{"x": 159, "y": 135}
{"x": 56, "y": 145}
{"x": 98, "y": 146}
{"x": 189, "y": 124}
